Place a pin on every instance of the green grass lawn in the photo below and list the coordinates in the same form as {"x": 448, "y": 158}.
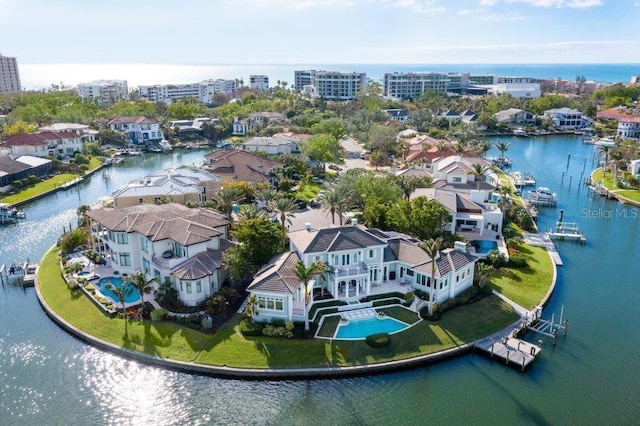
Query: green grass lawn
{"x": 607, "y": 181}
{"x": 48, "y": 184}
{"x": 631, "y": 194}
{"x": 308, "y": 191}
{"x": 526, "y": 286}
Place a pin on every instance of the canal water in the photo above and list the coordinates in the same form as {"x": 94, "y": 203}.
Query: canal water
{"x": 591, "y": 377}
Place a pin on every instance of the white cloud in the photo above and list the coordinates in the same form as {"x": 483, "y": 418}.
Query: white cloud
{"x": 429, "y": 7}
{"x": 470, "y": 11}
{"x": 575, "y": 4}
{"x": 502, "y": 17}
{"x": 488, "y": 2}
{"x": 420, "y": 6}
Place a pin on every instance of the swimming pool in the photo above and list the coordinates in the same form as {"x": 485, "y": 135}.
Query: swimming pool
{"x": 133, "y": 295}
{"x": 484, "y": 246}
{"x": 361, "y": 328}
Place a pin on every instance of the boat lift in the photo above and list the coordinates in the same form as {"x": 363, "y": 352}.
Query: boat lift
{"x": 549, "y": 328}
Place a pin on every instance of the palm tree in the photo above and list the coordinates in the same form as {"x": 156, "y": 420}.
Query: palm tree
{"x": 505, "y": 196}
{"x": 482, "y": 147}
{"x": 140, "y": 282}
{"x": 331, "y": 201}
{"x": 604, "y": 150}
{"x": 247, "y": 211}
{"x": 432, "y": 247}
{"x": 305, "y": 274}
{"x": 267, "y": 196}
{"x": 478, "y": 170}
{"x": 616, "y": 155}
{"x": 459, "y": 148}
{"x": 503, "y": 147}
{"x": 483, "y": 272}
{"x": 167, "y": 293}
{"x": 225, "y": 199}
{"x": 285, "y": 208}
{"x": 121, "y": 292}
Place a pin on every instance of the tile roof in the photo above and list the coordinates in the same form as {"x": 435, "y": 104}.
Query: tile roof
{"x": 199, "y": 266}
{"x": 279, "y": 275}
{"x": 166, "y": 221}
{"x": 38, "y": 139}
{"x": 127, "y": 120}
{"x": 333, "y": 239}
{"x": 452, "y": 201}
{"x": 238, "y": 165}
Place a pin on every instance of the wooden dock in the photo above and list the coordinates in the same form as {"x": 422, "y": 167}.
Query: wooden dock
{"x": 510, "y": 349}
{"x": 543, "y": 240}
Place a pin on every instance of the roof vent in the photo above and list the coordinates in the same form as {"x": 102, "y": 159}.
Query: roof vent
{"x": 354, "y": 221}
{"x": 307, "y": 226}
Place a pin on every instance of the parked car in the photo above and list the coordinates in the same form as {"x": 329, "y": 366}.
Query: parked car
{"x": 335, "y": 167}
{"x": 316, "y": 179}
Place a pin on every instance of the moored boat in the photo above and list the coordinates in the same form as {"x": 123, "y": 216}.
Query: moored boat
{"x": 543, "y": 195}
{"x": 8, "y": 213}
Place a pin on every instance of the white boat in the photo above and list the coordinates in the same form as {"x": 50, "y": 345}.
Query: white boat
{"x": 501, "y": 161}
{"x": 543, "y": 195}
{"x": 520, "y": 179}
{"x": 605, "y": 142}
{"x": 520, "y": 132}
{"x": 165, "y": 146}
{"x": 8, "y": 213}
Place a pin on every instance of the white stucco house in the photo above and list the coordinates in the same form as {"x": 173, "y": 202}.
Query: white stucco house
{"x": 43, "y": 144}
{"x": 362, "y": 261}
{"x": 171, "y": 242}
{"x": 567, "y": 118}
{"x": 277, "y": 144}
{"x": 139, "y": 130}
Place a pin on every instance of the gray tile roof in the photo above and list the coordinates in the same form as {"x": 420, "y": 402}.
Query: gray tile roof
{"x": 334, "y": 239}
{"x": 278, "y": 276}
{"x": 199, "y": 266}
{"x": 405, "y": 252}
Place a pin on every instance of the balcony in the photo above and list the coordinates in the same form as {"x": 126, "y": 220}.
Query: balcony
{"x": 351, "y": 270}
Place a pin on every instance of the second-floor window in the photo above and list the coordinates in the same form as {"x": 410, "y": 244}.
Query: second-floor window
{"x": 178, "y": 250}
{"x": 144, "y": 244}
{"x": 122, "y": 238}
{"x": 125, "y": 259}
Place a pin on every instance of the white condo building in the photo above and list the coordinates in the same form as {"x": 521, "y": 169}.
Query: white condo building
{"x": 259, "y": 82}
{"x": 331, "y": 85}
{"x": 104, "y": 91}
{"x": 412, "y": 85}
{"x": 202, "y": 91}
{"x": 9, "y": 75}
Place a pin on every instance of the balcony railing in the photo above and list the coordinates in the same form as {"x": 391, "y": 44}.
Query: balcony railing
{"x": 349, "y": 270}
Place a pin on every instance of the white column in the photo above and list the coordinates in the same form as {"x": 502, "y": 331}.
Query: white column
{"x": 358, "y": 288}
{"x": 290, "y": 307}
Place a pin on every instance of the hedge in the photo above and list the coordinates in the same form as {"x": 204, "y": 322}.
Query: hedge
{"x": 379, "y": 340}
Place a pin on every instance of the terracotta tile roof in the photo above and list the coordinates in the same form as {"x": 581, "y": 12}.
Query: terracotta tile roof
{"x": 618, "y": 112}
{"x": 279, "y": 275}
{"x": 166, "y": 221}
{"x": 38, "y": 139}
{"x": 199, "y": 266}
{"x": 238, "y": 165}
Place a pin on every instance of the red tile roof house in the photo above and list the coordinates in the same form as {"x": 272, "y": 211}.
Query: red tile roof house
{"x": 138, "y": 129}
{"x": 240, "y": 166}
{"x": 174, "y": 243}
{"x": 43, "y": 144}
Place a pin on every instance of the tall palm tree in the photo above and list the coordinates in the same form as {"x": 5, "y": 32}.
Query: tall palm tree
{"x": 503, "y": 147}
{"x": 460, "y": 148}
{"x": 225, "y": 199}
{"x": 331, "y": 201}
{"x": 121, "y": 292}
{"x": 267, "y": 196}
{"x": 505, "y": 197}
{"x": 141, "y": 283}
{"x": 482, "y": 147}
{"x": 286, "y": 209}
{"x": 478, "y": 170}
{"x": 605, "y": 150}
{"x": 305, "y": 274}
{"x": 616, "y": 155}
{"x": 483, "y": 272}
{"x": 432, "y": 247}
{"x": 247, "y": 211}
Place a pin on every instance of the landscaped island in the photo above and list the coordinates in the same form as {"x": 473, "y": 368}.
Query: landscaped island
{"x": 229, "y": 352}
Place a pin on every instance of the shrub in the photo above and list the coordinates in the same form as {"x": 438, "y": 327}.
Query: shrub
{"x": 408, "y": 298}
{"x": 517, "y": 261}
{"x": 248, "y": 328}
{"x": 421, "y": 294}
{"x": 379, "y": 340}
{"x": 272, "y": 331}
{"x": 90, "y": 288}
{"x": 277, "y": 322}
{"x": 72, "y": 284}
{"x": 158, "y": 314}
{"x": 496, "y": 259}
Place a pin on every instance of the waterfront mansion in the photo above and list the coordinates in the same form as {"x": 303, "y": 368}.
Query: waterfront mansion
{"x": 171, "y": 242}
{"x": 363, "y": 261}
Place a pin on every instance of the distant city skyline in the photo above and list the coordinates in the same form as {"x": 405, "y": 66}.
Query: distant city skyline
{"x": 321, "y": 31}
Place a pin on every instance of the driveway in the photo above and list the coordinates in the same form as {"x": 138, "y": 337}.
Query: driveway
{"x": 317, "y": 217}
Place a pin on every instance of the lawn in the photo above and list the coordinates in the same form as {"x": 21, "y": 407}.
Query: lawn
{"x": 308, "y": 191}
{"x": 48, "y": 184}
{"x": 526, "y": 286}
{"x": 607, "y": 181}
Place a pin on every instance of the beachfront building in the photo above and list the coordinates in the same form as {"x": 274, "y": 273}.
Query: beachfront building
{"x": 412, "y": 85}
{"x": 44, "y": 144}
{"x": 182, "y": 185}
{"x": 173, "y": 243}
{"x": 567, "y": 118}
{"x": 362, "y": 261}
{"x": 330, "y": 85}
{"x": 516, "y": 90}
{"x": 202, "y": 91}
{"x": 104, "y": 92}
{"x": 139, "y": 130}
{"x": 259, "y": 82}
{"x": 9, "y": 75}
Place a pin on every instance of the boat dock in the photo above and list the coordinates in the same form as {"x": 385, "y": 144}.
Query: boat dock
{"x": 567, "y": 231}
{"x": 543, "y": 240}
{"x": 512, "y": 350}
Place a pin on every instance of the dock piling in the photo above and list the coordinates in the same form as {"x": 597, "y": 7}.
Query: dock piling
{"x": 568, "y": 160}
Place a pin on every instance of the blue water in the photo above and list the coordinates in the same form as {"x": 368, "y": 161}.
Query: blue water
{"x": 484, "y": 246}
{"x": 359, "y": 329}
{"x": 133, "y": 296}
{"x": 41, "y": 76}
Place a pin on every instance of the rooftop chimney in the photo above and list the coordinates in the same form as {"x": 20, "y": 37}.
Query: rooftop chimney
{"x": 354, "y": 221}
{"x": 307, "y": 226}
{"x": 460, "y": 246}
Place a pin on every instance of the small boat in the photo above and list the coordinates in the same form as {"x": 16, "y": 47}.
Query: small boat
{"x": 501, "y": 162}
{"x": 520, "y": 132}
{"x": 8, "y": 213}
{"x": 543, "y": 195}
{"x": 605, "y": 142}
{"x": 165, "y": 146}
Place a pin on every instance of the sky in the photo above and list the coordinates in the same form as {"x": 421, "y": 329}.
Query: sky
{"x": 320, "y": 31}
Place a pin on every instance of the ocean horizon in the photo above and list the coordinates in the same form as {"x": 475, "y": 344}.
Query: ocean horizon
{"x": 43, "y": 76}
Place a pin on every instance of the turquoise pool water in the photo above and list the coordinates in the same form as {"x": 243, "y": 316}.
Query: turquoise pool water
{"x": 485, "y": 246}
{"x": 131, "y": 297}
{"x": 359, "y": 329}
